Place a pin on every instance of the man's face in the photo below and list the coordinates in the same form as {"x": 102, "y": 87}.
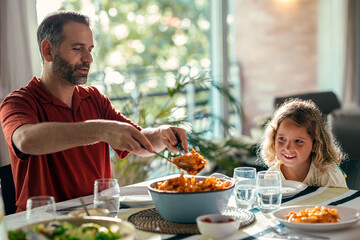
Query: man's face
{"x": 69, "y": 72}
{"x": 72, "y": 59}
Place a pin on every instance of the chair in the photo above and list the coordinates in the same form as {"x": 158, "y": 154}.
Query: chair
{"x": 8, "y": 189}
{"x": 351, "y": 168}
{"x": 326, "y": 101}
{"x": 346, "y": 128}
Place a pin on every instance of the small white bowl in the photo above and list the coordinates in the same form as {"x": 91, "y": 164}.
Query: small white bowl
{"x": 219, "y": 228}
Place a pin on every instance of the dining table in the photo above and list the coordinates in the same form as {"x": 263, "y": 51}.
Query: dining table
{"x": 260, "y": 228}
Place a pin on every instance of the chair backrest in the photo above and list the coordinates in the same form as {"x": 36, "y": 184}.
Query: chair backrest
{"x": 346, "y": 128}
{"x": 326, "y": 101}
{"x": 351, "y": 168}
{"x": 8, "y": 189}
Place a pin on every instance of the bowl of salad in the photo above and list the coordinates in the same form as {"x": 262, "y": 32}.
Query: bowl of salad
{"x": 89, "y": 228}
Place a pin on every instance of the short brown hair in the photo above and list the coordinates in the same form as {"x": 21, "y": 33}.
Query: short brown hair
{"x": 51, "y": 27}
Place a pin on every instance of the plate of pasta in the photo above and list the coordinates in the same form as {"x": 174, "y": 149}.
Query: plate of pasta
{"x": 317, "y": 218}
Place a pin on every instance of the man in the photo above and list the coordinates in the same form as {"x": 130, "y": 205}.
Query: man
{"x": 58, "y": 132}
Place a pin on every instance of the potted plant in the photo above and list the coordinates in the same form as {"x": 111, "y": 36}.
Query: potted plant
{"x": 222, "y": 154}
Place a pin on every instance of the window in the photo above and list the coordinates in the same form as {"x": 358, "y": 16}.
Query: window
{"x": 142, "y": 48}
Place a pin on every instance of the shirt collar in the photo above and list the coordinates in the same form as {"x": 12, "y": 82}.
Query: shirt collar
{"x": 45, "y": 96}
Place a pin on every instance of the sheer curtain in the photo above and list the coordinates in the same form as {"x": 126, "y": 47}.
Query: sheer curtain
{"x": 19, "y": 55}
{"x": 351, "y": 96}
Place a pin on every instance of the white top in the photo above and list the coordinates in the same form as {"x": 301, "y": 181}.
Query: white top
{"x": 332, "y": 177}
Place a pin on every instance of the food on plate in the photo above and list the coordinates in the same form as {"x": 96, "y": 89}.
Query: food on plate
{"x": 314, "y": 215}
{"x": 185, "y": 184}
{"x": 65, "y": 230}
{"x": 192, "y": 163}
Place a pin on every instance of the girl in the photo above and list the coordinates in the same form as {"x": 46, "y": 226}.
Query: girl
{"x": 298, "y": 144}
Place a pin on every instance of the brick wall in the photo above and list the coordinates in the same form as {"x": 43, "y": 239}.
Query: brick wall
{"x": 276, "y": 43}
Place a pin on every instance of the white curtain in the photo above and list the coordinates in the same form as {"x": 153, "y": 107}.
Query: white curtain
{"x": 351, "y": 96}
{"x": 19, "y": 55}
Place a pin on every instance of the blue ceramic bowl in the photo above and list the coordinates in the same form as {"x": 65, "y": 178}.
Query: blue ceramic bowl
{"x": 185, "y": 207}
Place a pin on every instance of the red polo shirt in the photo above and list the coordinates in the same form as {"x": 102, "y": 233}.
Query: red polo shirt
{"x": 67, "y": 174}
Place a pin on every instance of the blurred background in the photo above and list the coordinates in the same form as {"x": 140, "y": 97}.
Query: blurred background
{"x": 214, "y": 67}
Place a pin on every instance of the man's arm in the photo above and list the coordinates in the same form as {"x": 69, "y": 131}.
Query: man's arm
{"x": 50, "y": 137}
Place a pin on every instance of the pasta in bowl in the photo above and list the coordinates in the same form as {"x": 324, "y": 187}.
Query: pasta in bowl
{"x": 184, "y": 198}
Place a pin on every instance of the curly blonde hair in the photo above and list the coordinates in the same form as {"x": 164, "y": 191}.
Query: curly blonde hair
{"x": 305, "y": 114}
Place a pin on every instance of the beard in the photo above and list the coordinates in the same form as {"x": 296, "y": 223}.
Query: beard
{"x": 67, "y": 71}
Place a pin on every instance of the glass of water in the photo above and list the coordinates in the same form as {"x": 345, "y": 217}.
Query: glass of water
{"x": 245, "y": 187}
{"x": 107, "y": 194}
{"x": 269, "y": 190}
{"x": 40, "y": 208}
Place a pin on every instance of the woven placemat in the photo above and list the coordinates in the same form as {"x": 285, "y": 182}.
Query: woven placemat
{"x": 150, "y": 220}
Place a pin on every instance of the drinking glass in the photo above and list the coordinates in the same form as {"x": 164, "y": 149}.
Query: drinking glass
{"x": 40, "y": 208}
{"x": 107, "y": 194}
{"x": 269, "y": 190}
{"x": 245, "y": 186}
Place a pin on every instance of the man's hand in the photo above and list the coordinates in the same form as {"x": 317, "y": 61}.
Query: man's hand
{"x": 166, "y": 136}
{"x": 124, "y": 136}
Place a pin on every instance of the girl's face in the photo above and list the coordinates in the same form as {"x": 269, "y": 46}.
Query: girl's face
{"x": 293, "y": 144}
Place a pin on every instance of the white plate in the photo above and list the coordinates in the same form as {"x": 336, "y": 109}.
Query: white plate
{"x": 136, "y": 200}
{"x": 349, "y": 216}
{"x": 290, "y": 188}
{"x": 135, "y": 196}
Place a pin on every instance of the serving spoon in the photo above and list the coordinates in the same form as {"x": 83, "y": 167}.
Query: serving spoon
{"x": 183, "y": 165}
{"x": 84, "y": 206}
{"x": 188, "y": 167}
